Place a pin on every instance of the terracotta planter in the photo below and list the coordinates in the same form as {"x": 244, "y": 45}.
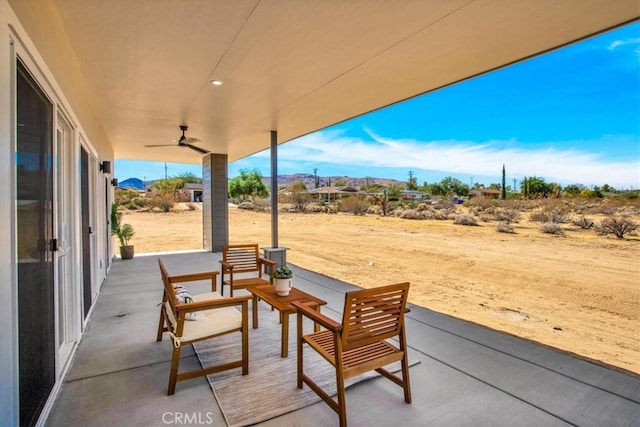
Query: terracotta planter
{"x": 283, "y": 286}
{"x": 126, "y": 252}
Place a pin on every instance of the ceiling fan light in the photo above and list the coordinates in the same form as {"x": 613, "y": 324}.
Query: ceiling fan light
{"x": 216, "y": 82}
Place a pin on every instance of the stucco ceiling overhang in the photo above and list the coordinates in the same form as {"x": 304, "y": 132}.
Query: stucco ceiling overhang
{"x": 295, "y": 66}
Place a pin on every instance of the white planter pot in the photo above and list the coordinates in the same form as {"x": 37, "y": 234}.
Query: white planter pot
{"x": 283, "y": 286}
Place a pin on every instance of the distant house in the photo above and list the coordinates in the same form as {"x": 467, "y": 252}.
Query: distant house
{"x": 191, "y": 192}
{"x": 329, "y": 194}
{"x": 413, "y": 196}
{"x": 194, "y": 191}
{"x": 488, "y": 193}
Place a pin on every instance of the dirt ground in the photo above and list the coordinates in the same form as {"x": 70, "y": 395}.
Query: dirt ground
{"x": 579, "y": 292}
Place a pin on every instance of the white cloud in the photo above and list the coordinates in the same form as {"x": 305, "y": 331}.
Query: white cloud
{"x": 634, "y": 43}
{"x": 618, "y": 43}
{"x": 464, "y": 157}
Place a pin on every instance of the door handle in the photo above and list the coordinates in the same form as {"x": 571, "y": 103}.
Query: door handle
{"x": 53, "y": 245}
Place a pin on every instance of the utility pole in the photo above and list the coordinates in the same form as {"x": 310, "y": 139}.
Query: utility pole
{"x": 165, "y": 171}
{"x": 471, "y": 182}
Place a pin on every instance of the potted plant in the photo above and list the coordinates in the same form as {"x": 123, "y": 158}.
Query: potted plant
{"x": 282, "y": 280}
{"x": 124, "y": 232}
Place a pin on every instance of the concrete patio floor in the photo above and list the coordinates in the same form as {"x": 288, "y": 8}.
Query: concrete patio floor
{"x": 469, "y": 375}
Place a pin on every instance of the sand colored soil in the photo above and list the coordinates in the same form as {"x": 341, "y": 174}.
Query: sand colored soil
{"x": 579, "y": 292}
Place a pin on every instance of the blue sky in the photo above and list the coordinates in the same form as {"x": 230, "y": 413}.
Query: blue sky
{"x": 571, "y": 116}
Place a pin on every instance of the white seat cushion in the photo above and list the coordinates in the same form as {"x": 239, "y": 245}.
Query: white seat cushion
{"x": 208, "y": 322}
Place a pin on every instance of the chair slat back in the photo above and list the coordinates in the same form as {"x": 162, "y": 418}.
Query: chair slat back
{"x": 372, "y": 315}
{"x": 244, "y": 258}
{"x": 169, "y": 293}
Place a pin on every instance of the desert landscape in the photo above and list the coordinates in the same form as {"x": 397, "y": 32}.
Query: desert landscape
{"x": 576, "y": 291}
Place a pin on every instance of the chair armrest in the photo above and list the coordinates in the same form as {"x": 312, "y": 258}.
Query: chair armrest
{"x": 226, "y": 266}
{"x": 268, "y": 263}
{"x": 195, "y": 306}
{"x": 192, "y": 277}
{"x": 326, "y": 322}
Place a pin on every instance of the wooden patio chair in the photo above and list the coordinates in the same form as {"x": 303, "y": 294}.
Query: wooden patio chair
{"x": 359, "y": 344}
{"x": 189, "y": 319}
{"x": 243, "y": 258}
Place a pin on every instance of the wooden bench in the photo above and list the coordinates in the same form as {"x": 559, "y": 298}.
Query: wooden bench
{"x": 243, "y": 259}
{"x": 359, "y": 344}
{"x": 214, "y": 316}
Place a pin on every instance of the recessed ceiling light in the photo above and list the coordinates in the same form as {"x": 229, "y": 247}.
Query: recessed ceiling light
{"x": 216, "y": 82}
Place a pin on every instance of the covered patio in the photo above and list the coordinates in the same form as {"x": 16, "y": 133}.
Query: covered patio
{"x": 467, "y": 375}
{"x": 86, "y": 82}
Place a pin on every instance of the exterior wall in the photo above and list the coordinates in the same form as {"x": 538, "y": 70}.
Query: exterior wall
{"x": 215, "y": 202}
{"x": 8, "y": 294}
{"x": 31, "y": 30}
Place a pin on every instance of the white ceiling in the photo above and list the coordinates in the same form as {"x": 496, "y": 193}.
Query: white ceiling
{"x": 295, "y": 66}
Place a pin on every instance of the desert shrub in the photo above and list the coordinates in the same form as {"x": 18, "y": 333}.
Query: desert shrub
{"x": 515, "y": 204}
{"x": 191, "y": 206}
{"x": 140, "y": 202}
{"x": 507, "y": 215}
{"x": 504, "y": 227}
{"x": 411, "y": 204}
{"x": 246, "y": 205}
{"x": 374, "y": 210}
{"x": 583, "y": 222}
{"x": 354, "y": 205}
{"x": 163, "y": 202}
{"x": 617, "y": 225}
{"x": 126, "y": 196}
{"x": 465, "y": 219}
{"x": 261, "y": 204}
{"x": 410, "y": 214}
{"x": 551, "y": 228}
{"x": 315, "y": 208}
{"x": 479, "y": 204}
{"x": 164, "y": 194}
{"x": 487, "y": 217}
{"x": 549, "y": 216}
{"x": 445, "y": 207}
{"x": 440, "y": 215}
{"x": 299, "y": 199}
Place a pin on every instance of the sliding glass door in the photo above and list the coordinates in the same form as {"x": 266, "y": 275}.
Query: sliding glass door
{"x": 35, "y": 246}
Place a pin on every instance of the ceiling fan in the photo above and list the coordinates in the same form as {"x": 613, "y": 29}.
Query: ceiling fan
{"x": 184, "y": 141}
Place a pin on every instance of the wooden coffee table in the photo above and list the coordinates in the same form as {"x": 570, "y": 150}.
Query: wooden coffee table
{"x": 268, "y": 294}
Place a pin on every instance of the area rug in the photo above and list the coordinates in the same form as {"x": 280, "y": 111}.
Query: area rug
{"x": 270, "y": 388}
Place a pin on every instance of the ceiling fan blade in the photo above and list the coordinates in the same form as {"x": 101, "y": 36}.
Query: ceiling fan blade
{"x": 190, "y": 140}
{"x": 162, "y": 145}
{"x": 198, "y": 149}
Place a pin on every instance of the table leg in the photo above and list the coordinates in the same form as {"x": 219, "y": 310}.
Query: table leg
{"x": 254, "y": 309}
{"x": 285, "y": 334}
{"x": 316, "y": 326}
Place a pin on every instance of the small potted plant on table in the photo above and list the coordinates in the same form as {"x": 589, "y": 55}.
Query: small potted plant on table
{"x": 282, "y": 280}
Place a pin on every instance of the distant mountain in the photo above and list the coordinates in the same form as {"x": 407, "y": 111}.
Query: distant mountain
{"x": 133, "y": 183}
{"x": 287, "y": 180}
